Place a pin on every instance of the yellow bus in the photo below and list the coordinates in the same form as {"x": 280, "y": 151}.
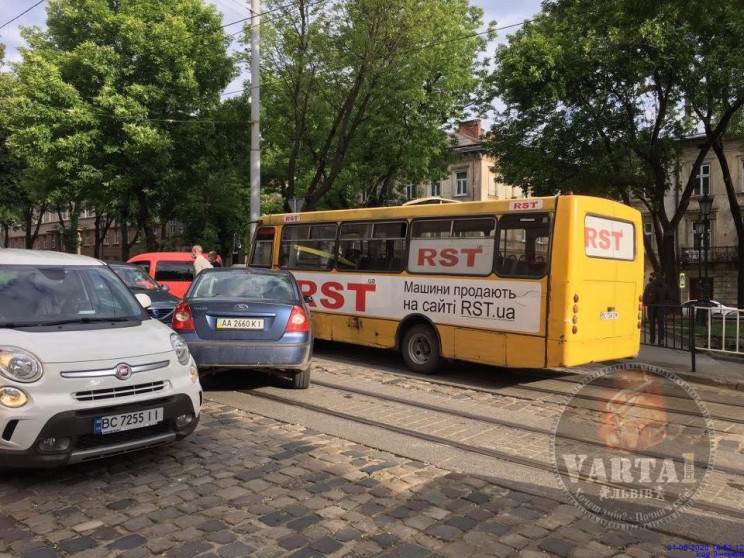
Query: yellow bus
{"x": 527, "y": 283}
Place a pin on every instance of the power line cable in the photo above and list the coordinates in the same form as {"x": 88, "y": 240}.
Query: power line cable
{"x": 23, "y": 13}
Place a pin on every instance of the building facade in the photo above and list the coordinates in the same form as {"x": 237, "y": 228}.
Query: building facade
{"x": 50, "y": 237}
{"x": 722, "y": 259}
{"x": 471, "y": 176}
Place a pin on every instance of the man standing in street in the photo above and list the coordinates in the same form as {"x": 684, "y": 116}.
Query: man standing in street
{"x": 200, "y": 262}
{"x": 655, "y": 298}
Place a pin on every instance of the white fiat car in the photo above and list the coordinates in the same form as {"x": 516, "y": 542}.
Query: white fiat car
{"x": 84, "y": 371}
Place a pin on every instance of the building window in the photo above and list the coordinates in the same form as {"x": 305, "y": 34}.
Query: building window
{"x": 492, "y": 188}
{"x": 116, "y": 237}
{"x": 702, "y": 181}
{"x": 410, "y": 191}
{"x": 461, "y": 181}
{"x": 54, "y": 241}
{"x": 45, "y": 243}
{"x": 363, "y": 197}
{"x": 436, "y": 187}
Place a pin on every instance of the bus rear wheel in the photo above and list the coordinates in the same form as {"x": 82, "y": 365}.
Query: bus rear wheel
{"x": 421, "y": 349}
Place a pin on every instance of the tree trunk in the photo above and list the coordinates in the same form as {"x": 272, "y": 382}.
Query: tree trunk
{"x": 6, "y": 232}
{"x": 97, "y": 236}
{"x": 28, "y": 221}
{"x": 126, "y": 244}
{"x": 145, "y": 222}
{"x": 670, "y": 265}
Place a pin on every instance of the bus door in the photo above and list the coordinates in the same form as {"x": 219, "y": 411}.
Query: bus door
{"x": 523, "y": 259}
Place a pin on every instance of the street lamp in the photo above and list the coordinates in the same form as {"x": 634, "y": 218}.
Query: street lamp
{"x": 705, "y": 204}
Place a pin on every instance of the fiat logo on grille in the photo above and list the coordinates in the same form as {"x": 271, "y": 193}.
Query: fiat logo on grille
{"x": 123, "y": 372}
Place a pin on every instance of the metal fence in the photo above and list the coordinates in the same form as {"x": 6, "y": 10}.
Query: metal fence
{"x": 694, "y": 329}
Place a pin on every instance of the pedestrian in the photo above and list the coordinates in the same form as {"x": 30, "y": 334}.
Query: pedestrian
{"x": 214, "y": 259}
{"x": 655, "y": 298}
{"x": 200, "y": 261}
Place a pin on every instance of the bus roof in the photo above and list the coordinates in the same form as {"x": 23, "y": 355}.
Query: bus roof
{"x": 421, "y": 210}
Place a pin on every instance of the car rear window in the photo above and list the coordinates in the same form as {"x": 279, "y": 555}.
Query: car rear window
{"x": 245, "y": 285}
{"x": 174, "y": 271}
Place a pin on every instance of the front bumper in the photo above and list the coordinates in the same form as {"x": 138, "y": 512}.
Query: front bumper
{"x": 86, "y": 445}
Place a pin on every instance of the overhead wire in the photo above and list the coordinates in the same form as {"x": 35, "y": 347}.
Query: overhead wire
{"x": 23, "y": 13}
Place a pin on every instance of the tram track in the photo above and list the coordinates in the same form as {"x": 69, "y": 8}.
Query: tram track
{"x": 502, "y": 422}
{"x": 566, "y": 395}
{"x": 535, "y": 464}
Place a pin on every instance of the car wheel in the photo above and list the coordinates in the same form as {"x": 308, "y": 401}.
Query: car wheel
{"x": 301, "y": 380}
{"x": 421, "y": 349}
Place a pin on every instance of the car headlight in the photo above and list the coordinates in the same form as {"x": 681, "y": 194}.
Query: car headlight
{"x": 19, "y": 365}
{"x": 12, "y": 397}
{"x": 181, "y": 348}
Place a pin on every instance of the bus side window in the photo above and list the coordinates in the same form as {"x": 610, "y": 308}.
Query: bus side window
{"x": 523, "y": 249}
{"x": 372, "y": 246}
{"x": 308, "y": 246}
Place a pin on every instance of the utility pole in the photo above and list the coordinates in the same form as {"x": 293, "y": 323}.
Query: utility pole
{"x": 255, "y": 115}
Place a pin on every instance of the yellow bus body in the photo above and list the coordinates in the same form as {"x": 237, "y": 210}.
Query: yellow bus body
{"x": 588, "y": 309}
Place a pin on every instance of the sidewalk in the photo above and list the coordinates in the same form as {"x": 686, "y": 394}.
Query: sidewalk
{"x": 709, "y": 371}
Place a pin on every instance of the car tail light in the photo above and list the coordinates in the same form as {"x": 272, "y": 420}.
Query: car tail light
{"x": 183, "y": 320}
{"x": 298, "y": 320}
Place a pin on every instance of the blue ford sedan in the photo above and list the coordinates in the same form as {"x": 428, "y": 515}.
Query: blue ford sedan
{"x": 247, "y": 318}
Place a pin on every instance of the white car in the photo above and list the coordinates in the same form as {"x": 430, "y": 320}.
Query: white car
{"x": 84, "y": 371}
{"x": 717, "y": 309}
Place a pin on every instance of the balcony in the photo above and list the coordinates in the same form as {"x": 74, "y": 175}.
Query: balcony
{"x": 716, "y": 254}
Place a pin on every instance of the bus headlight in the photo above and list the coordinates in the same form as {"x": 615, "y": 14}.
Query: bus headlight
{"x": 181, "y": 348}
{"x": 19, "y": 365}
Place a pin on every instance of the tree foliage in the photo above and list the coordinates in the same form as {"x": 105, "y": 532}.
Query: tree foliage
{"x": 355, "y": 93}
{"x": 599, "y": 96}
{"x": 108, "y": 98}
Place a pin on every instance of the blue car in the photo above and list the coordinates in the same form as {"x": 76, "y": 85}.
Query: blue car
{"x": 247, "y": 318}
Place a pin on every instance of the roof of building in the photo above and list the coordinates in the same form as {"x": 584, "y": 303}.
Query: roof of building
{"x": 466, "y": 142}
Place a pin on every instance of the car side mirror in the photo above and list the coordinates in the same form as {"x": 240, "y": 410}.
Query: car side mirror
{"x": 165, "y": 288}
{"x": 144, "y": 300}
{"x": 307, "y": 298}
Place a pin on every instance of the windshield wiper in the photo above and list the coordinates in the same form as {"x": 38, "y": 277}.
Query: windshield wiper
{"x": 86, "y": 321}
{"x": 13, "y": 325}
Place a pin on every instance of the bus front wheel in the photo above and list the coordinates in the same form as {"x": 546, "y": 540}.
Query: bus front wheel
{"x": 421, "y": 349}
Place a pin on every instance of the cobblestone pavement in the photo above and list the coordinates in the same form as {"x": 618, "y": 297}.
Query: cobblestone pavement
{"x": 245, "y": 485}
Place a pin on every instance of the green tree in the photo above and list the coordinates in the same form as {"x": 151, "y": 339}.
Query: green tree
{"x": 103, "y": 94}
{"x": 596, "y": 95}
{"x": 355, "y": 93}
{"x": 11, "y": 191}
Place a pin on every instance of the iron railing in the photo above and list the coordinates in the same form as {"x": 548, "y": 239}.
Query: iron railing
{"x": 716, "y": 254}
{"x": 694, "y": 329}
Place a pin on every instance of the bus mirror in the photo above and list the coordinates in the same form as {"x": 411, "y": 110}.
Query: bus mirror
{"x": 308, "y": 299}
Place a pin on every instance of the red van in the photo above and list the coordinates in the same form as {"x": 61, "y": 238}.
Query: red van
{"x": 175, "y": 269}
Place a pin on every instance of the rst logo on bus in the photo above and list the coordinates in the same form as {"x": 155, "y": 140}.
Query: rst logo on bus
{"x": 608, "y": 238}
{"x": 470, "y": 256}
{"x": 523, "y": 205}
